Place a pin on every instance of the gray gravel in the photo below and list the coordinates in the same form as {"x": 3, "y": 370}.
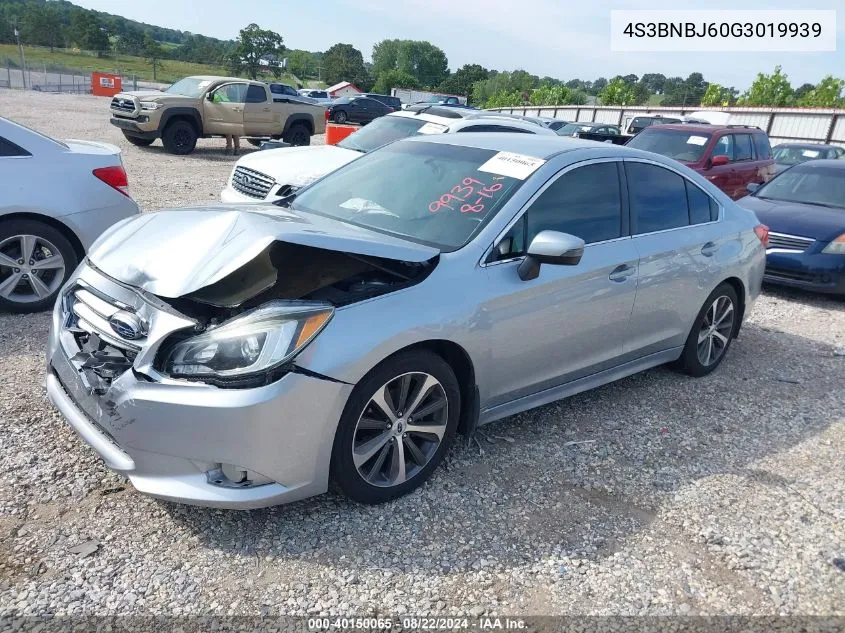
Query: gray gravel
{"x": 659, "y": 494}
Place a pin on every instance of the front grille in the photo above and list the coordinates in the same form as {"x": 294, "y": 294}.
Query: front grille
{"x": 90, "y": 313}
{"x": 122, "y": 104}
{"x": 789, "y": 275}
{"x": 252, "y": 183}
{"x": 794, "y": 243}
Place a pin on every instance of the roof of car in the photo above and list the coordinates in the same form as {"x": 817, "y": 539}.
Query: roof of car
{"x": 536, "y": 145}
{"x": 706, "y": 128}
{"x": 825, "y": 163}
{"x": 807, "y": 146}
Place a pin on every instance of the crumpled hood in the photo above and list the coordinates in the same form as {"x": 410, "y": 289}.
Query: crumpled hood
{"x": 299, "y": 166}
{"x": 175, "y": 252}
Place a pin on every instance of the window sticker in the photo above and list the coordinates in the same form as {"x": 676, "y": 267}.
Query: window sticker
{"x": 432, "y": 128}
{"x": 696, "y": 140}
{"x": 516, "y": 166}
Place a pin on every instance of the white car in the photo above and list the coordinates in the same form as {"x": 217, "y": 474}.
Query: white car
{"x": 57, "y": 198}
{"x": 272, "y": 174}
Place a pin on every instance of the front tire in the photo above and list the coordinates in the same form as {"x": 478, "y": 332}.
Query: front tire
{"x": 35, "y": 261}
{"x": 396, "y": 427}
{"x": 179, "y": 138}
{"x": 340, "y": 116}
{"x": 137, "y": 140}
{"x": 712, "y": 332}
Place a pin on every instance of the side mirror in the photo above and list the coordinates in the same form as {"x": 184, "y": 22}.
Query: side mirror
{"x": 751, "y": 187}
{"x": 718, "y": 161}
{"x": 550, "y": 247}
{"x": 210, "y": 96}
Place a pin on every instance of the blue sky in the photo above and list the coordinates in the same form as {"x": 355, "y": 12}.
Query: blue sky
{"x": 546, "y": 37}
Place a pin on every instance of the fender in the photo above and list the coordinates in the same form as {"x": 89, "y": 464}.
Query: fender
{"x": 192, "y": 113}
{"x": 300, "y": 117}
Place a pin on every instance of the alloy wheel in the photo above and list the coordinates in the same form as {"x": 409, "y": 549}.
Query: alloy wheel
{"x": 400, "y": 429}
{"x": 716, "y": 330}
{"x": 31, "y": 268}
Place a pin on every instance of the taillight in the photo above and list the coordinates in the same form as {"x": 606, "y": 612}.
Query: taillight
{"x": 114, "y": 177}
{"x": 762, "y": 232}
{"x": 327, "y": 115}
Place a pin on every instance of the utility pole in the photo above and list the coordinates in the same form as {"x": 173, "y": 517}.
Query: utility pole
{"x": 23, "y": 59}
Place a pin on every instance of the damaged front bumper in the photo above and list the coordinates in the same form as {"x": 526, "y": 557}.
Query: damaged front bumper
{"x": 185, "y": 442}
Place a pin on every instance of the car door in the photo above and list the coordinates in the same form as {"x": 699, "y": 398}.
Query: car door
{"x": 260, "y": 118}
{"x": 678, "y": 237}
{"x": 356, "y": 111}
{"x": 571, "y": 321}
{"x": 723, "y": 176}
{"x": 224, "y": 110}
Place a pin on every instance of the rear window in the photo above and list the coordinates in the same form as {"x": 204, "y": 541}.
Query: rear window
{"x": 681, "y": 145}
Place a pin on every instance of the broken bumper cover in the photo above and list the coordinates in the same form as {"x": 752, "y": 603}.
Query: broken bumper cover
{"x": 169, "y": 439}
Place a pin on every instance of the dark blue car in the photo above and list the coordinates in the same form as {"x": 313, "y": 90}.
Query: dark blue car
{"x": 804, "y": 208}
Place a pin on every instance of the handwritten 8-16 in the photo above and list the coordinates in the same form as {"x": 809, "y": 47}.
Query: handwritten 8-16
{"x": 461, "y": 194}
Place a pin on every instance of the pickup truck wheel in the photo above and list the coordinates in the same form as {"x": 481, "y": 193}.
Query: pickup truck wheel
{"x": 298, "y": 134}
{"x": 137, "y": 140}
{"x": 179, "y": 138}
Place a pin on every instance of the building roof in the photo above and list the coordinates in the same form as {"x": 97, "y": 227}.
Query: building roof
{"x": 341, "y": 85}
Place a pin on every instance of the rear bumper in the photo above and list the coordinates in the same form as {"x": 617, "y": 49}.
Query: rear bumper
{"x": 816, "y": 272}
{"x": 134, "y": 128}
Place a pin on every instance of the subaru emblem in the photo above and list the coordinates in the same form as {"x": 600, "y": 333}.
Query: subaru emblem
{"x": 127, "y": 325}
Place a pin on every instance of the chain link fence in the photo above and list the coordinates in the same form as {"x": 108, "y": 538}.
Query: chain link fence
{"x": 45, "y": 79}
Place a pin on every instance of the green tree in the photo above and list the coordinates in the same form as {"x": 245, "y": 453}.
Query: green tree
{"x": 461, "y": 81}
{"x": 505, "y": 99}
{"x": 422, "y": 60}
{"x": 803, "y": 89}
{"x": 89, "y": 33}
{"x": 253, "y": 45}
{"x": 715, "y": 95}
{"x": 617, "y": 92}
{"x": 827, "y": 94}
{"x": 344, "y": 62}
{"x": 394, "y": 79}
{"x": 769, "y": 90}
{"x": 152, "y": 52}
{"x": 41, "y": 25}
{"x": 301, "y": 64}
{"x": 654, "y": 82}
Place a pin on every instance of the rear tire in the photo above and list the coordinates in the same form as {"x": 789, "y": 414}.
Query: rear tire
{"x": 298, "y": 135}
{"x": 366, "y": 460}
{"x": 340, "y": 116}
{"x": 712, "y": 332}
{"x": 137, "y": 140}
{"x": 32, "y": 286}
{"x": 179, "y": 137}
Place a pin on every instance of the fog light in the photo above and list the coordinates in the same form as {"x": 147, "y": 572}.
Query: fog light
{"x": 143, "y": 119}
{"x": 233, "y": 476}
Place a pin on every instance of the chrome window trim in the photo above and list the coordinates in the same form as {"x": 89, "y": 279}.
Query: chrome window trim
{"x": 518, "y": 215}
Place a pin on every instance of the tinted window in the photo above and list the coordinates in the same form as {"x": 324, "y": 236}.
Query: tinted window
{"x": 761, "y": 144}
{"x": 493, "y": 128}
{"x": 742, "y": 147}
{"x": 584, "y": 202}
{"x": 724, "y": 146}
{"x": 701, "y": 206}
{"x": 256, "y": 94}
{"x": 658, "y": 198}
{"x": 7, "y": 148}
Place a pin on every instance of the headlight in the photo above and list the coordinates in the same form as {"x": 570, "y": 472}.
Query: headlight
{"x": 836, "y": 247}
{"x": 251, "y": 343}
{"x": 150, "y": 105}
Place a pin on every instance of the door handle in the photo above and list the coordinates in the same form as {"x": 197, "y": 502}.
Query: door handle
{"x": 621, "y": 273}
{"x": 268, "y": 110}
{"x": 236, "y": 109}
{"x": 709, "y": 249}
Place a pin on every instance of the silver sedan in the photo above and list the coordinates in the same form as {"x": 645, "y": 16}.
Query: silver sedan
{"x": 245, "y": 356}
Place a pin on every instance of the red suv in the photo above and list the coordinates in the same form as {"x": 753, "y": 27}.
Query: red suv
{"x": 729, "y": 156}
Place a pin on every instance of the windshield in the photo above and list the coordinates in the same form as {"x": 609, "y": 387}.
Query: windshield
{"x": 189, "y": 87}
{"x": 809, "y": 184}
{"x": 570, "y": 128}
{"x": 678, "y": 144}
{"x": 795, "y": 155}
{"x": 431, "y": 193}
{"x": 387, "y": 129}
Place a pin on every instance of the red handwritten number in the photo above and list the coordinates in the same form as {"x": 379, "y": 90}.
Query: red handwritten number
{"x": 458, "y": 193}
{"x": 469, "y": 181}
{"x": 469, "y": 208}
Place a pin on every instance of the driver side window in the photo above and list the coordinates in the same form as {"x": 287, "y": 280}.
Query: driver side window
{"x": 230, "y": 93}
{"x": 724, "y": 147}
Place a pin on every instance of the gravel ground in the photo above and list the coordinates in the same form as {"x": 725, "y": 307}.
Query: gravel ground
{"x": 659, "y": 494}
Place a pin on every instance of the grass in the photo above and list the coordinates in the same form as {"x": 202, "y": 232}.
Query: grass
{"x": 168, "y": 70}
